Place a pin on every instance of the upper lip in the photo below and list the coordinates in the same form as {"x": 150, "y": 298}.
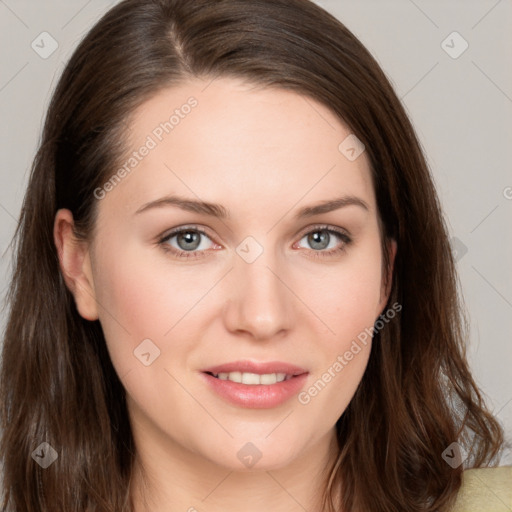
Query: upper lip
{"x": 259, "y": 368}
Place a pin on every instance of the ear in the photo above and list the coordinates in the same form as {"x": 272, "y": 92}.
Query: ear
{"x": 386, "y": 290}
{"x": 75, "y": 264}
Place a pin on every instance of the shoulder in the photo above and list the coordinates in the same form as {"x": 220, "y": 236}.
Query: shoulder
{"x": 485, "y": 490}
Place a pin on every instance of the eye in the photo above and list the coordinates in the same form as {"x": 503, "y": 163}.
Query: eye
{"x": 326, "y": 237}
{"x": 188, "y": 242}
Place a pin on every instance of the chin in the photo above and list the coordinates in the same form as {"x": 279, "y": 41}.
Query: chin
{"x": 255, "y": 456}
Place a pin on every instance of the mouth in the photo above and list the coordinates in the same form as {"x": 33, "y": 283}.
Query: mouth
{"x": 255, "y": 385}
{"x": 252, "y": 379}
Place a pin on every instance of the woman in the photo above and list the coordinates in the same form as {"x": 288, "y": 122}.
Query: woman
{"x": 234, "y": 287}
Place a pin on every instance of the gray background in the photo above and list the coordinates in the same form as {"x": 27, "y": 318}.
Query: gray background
{"x": 461, "y": 108}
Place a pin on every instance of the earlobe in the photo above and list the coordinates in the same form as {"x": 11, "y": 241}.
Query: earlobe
{"x": 75, "y": 264}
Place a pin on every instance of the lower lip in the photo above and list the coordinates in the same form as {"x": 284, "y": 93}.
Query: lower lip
{"x": 256, "y": 396}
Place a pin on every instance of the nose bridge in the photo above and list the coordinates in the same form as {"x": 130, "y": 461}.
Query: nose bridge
{"x": 259, "y": 300}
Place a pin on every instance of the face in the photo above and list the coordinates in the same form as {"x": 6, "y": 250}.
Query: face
{"x": 265, "y": 286}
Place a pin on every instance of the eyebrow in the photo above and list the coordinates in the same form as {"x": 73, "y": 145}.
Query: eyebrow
{"x": 219, "y": 211}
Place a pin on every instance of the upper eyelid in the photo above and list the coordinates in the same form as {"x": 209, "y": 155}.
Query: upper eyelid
{"x": 321, "y": 227}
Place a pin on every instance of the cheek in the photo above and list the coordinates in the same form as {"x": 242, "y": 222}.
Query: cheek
{"x": 349, "y": 307}
{"x": 347, "y": 296}
{"x": 131, "y": 307}
{"x": 347, "y": 300}
{"x": 146, "y": 298}
{"x": 349, "y": 312}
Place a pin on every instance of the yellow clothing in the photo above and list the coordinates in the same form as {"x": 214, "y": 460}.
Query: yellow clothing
{"x": 485, "y": 490}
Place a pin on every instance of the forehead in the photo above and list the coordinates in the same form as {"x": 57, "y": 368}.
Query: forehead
{"x": 239, "y": 144}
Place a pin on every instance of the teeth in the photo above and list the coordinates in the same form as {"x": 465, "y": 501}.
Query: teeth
{"x": 253, "y": 378}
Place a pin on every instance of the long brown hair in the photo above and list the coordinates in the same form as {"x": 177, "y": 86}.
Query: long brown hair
{"x": 57, "y": 382}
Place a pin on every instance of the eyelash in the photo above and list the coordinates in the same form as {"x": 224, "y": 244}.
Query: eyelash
{"x": 346, "y": 241}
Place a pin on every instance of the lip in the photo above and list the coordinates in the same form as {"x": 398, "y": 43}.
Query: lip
{"x": 259, "y": 368}
{"x": 256, "y": 396}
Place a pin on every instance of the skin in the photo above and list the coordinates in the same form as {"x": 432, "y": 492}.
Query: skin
{"x": 263, "y": 154}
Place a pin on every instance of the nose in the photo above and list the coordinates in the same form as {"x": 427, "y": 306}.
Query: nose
{"x": 260, "y": 302}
